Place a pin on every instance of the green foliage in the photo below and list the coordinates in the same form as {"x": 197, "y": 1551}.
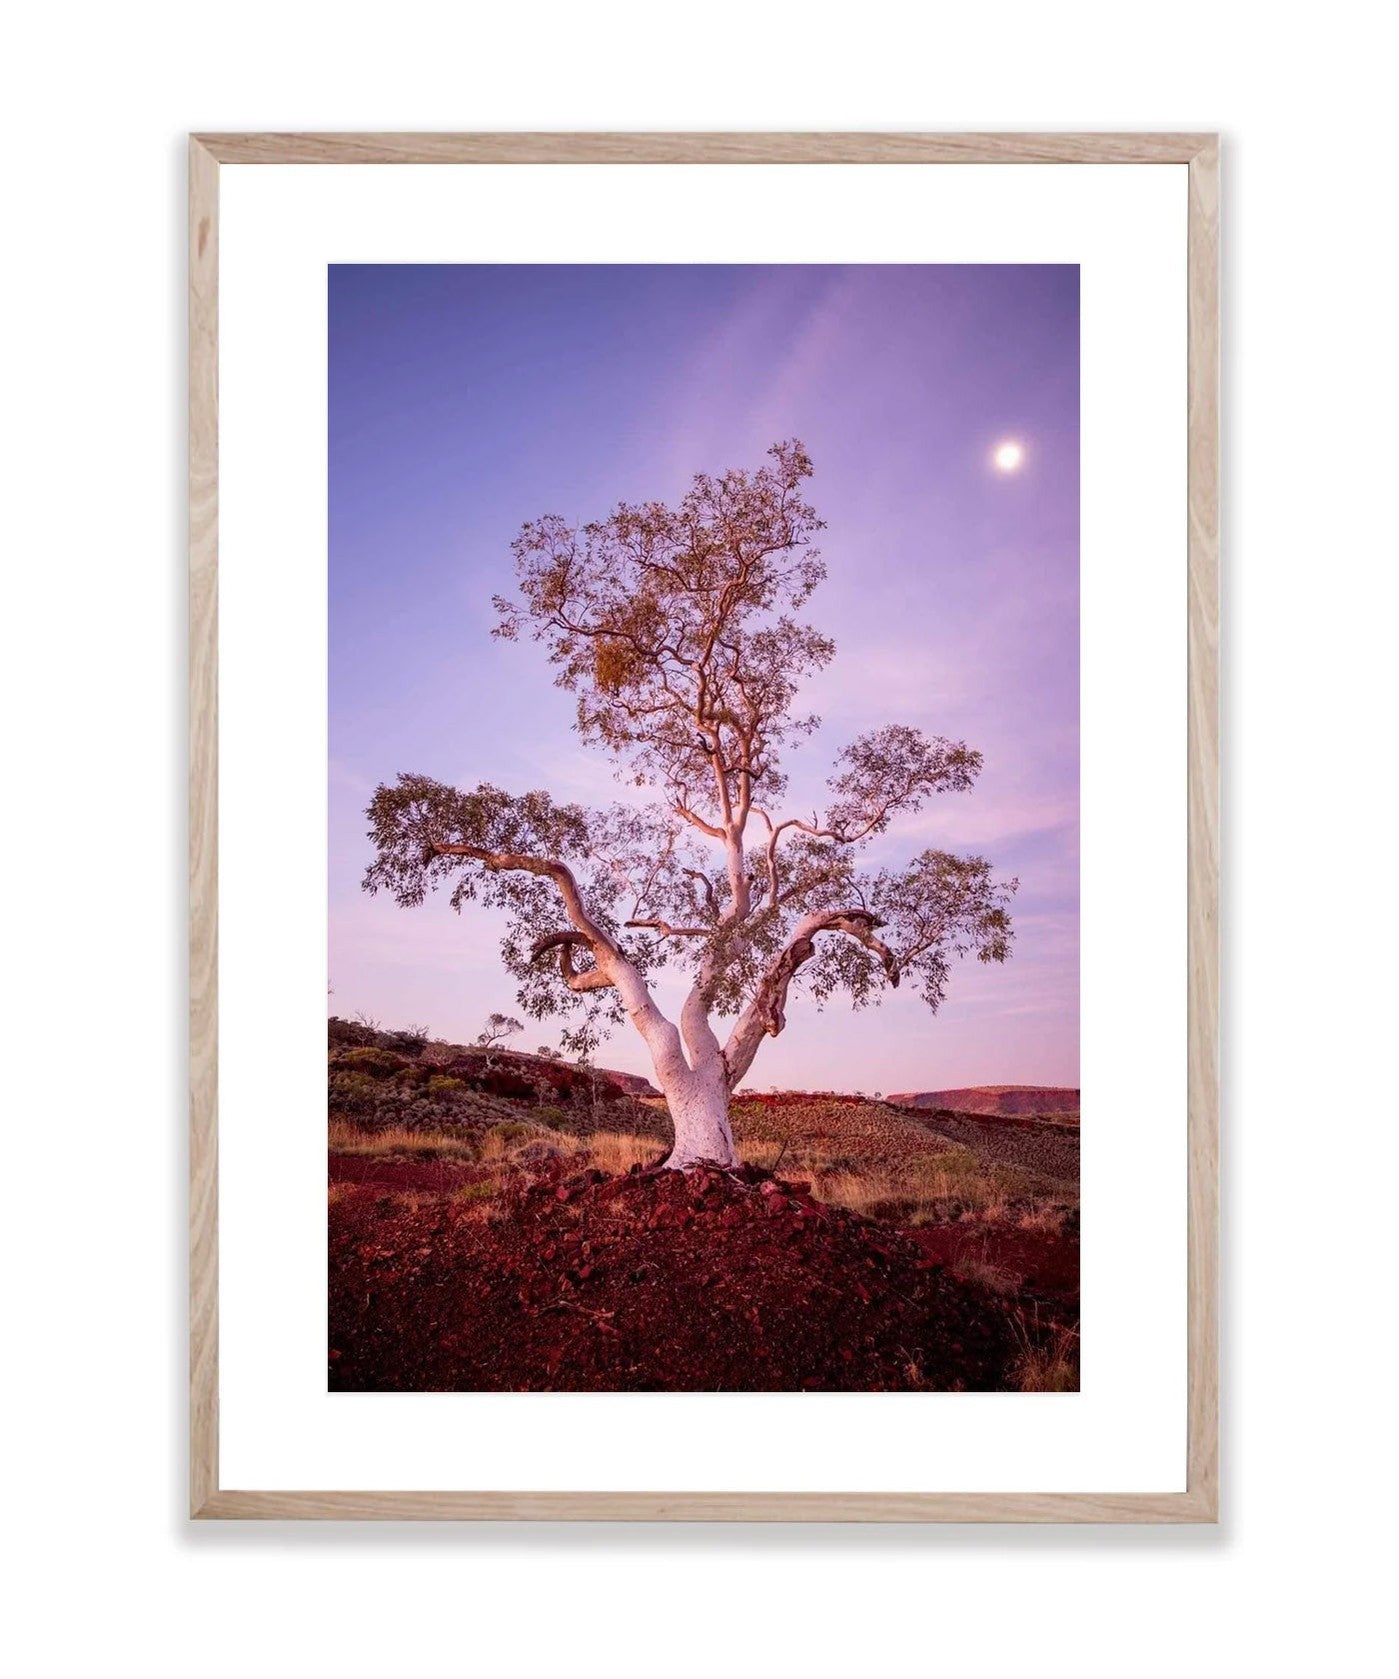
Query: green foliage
{"x": 942, "y": 907}
{"x": 377, "y": 1063}
{"x": 633, "y": 608}
{"x": 894, "y": 770}
{"x": 353, "y": 1093}
{"x": 412, "y": 819}
{"x": 386, "y": 1104}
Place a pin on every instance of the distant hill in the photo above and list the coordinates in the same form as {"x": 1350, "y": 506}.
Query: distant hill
{"x": 632, "y": 1083}
{"x": 1007, "y": 1099}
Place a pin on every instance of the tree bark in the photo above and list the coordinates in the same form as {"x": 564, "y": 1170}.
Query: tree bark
{"x": 698, "y": 1098}
{"x": 696, "y": 1090}
{"x": 699, "y": 1114}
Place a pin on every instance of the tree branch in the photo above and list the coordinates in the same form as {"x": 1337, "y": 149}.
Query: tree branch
{"x": 560, "y": 873}
{"x": 765, "y": 1015}
{"x": 708, "y": 885}
{"x": 590, "y": 979}
{"x": 697, "y": 821}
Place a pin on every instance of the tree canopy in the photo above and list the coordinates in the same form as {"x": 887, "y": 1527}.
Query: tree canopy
{"x": 678, "y": 631}
{"x": 499, "y": 1029}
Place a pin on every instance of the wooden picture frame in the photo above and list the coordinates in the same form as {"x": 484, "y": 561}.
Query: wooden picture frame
{"x": 1200, "y": 154}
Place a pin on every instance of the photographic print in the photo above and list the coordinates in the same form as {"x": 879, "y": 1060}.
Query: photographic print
{"x": 703, "y": 797}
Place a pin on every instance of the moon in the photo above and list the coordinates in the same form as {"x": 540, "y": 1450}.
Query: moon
{"x": 1008, "y": 456}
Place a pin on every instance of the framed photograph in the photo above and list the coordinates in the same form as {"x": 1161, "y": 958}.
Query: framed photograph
{"x": 704, "y": 826}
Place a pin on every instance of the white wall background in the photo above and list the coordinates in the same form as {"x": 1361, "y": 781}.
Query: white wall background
{"x": 97, "y": 100}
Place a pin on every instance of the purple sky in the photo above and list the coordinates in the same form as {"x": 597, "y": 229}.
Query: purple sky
{"x": 465, "y": 400}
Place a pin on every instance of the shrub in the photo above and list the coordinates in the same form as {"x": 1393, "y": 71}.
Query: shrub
{"x": 413, "y": 1041}
{"x": 352, "y": 1093}
{"x": 340, "y": 1031}
{"x": 534, "y": 1154}
{"x": 377, "y": 1063}
{"x": 445, "y": 1089}
{"x": 512, "y": 1137}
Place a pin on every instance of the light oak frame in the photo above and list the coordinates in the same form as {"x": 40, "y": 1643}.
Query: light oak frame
{"x": 1200, "y": 154}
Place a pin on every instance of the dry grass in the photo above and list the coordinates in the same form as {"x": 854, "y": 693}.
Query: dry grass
{"x": 983, "y": 1272}
{"x": 816, "y": 1131}
{"x": 1044, "y": 1221}
{"x": 482, "y": 1190}
{"x": 941, "y": 1188}
{"x": 860, "y": 1156}
{"x": 345, "y": 1137}
{"x": 508, "y": 1141}
{"x": 1049, "y": 1366}
{"x": 619, "y": 1151}
{"x": 408, "y": 1202}
{"x": 761, "y": 1151}
{"x": 607, "y": 1151}
{"x": 861, "y": 1192}
{"x": 499, "y": 1145}
{"x": 931, "y": 1188}
{"x": 874, "y": 1160}
{"x": 480, "y": 1203}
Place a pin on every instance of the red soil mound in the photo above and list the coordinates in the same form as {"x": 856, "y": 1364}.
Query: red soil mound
{"x": 700, "y": 1281}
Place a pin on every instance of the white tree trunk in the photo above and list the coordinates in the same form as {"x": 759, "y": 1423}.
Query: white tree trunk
{"x": 699, "y": 1112}
{"x": 698, "y": 1095}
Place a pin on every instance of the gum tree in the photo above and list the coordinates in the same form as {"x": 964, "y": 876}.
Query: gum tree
{"x": 678, "y": 631}
{"x": 498, "y": 1031}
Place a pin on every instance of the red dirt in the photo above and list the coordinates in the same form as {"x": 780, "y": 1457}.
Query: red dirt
{"x": 442, "y": 1176}
{"x": 1040, "y": 1264}
{"x": 659, "y": 1281}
